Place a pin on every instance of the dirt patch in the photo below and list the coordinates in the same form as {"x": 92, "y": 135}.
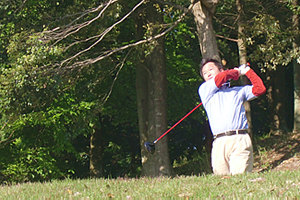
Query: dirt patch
{"x": 278, "y": 151}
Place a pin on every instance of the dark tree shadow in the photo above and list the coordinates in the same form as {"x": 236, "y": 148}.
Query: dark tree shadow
{"x": 271, "y": 151}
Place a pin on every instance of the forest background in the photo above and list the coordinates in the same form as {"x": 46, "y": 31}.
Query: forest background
{"x": 85, "y": 83}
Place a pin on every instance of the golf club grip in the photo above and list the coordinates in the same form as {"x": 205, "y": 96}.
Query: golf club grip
{"x": 177, "y": 123}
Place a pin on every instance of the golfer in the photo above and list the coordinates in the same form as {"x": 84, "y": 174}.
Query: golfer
{"x": 232, "y": 151}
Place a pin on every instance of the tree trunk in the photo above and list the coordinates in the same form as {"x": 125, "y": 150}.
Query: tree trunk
{"x": 96, "y": 151}
{"x": 243, "y": 58}
{"x": 296, "y": 68}
{"x": 151, "y": 89}
{"x": 279, "y": 99}
{"x": 203, "y": 13}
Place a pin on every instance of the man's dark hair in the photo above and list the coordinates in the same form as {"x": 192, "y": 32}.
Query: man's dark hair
{"x": 207, "y": 60}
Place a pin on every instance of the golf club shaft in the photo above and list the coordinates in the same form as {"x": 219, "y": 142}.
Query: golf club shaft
{"x": 165, "y": 133}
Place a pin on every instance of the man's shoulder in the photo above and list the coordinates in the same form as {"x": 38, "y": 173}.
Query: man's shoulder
{"x": 204, "y": 86}
{"x": 208, "y": 83}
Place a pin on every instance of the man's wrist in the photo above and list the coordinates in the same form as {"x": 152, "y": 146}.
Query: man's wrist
{"x": 237, "y": 69}
{"x": 244, "y": 69}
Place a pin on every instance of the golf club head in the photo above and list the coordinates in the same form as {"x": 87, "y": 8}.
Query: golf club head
{"x": 150, "y": 147}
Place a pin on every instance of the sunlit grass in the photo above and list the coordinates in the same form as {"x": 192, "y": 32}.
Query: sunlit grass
{"x": 268, "y": 185}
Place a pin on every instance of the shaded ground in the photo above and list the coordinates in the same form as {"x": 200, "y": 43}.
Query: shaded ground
{"x": 278, "y": 151}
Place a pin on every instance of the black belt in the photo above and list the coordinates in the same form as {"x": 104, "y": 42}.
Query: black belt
{"x": 228, "y": 133}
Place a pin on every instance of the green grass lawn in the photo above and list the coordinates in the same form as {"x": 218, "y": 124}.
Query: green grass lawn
{"x": 267, "y": 185}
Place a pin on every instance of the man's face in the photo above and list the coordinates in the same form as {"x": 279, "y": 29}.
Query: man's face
{"x": 210, "y": 70}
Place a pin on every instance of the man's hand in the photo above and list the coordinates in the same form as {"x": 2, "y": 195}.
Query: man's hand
{"x": 243, "y": 69}
{"x": 238, "y": 69}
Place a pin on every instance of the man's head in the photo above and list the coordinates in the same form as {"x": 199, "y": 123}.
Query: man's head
{"x": 209, "y": 68}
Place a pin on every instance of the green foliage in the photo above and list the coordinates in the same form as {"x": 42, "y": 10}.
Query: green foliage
{"x": 183, "y": 56}
{"x": 194, "y": 163}
{"x": 120, "y": 161}
{"x": 226, "y": 28}
{"x": 43, "y": 139}
{"x": 52, "y": 113}
{"x": 30, "y": 164}
{"x": 272, "y": 42}
{"x": 268, "y": 32}
{"x": 24, "y": 85}
{"x": 28, "y": 49}
{"x": 42, "y": 112}
{"x": 294, "y": 8}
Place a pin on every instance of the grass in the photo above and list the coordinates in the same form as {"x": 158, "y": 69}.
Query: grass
{"x": 264, "y": 183}
{"x": 267, "y": 185}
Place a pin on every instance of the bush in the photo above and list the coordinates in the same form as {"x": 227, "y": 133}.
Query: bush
{"x": 30, "y": 164}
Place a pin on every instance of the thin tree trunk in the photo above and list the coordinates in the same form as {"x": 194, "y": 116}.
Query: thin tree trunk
{"x": 96, "y": 151}
{"x": 243, "y": 58}
{"x": 151, "y": 89}
{"x": 296, "y": 68}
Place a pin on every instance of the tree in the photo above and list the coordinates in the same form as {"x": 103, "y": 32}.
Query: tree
{"x": 296, "y": 66}
{"x": 203, "y": 14}
{"x": 273, "y": 54}
{"x": 49, "y": 99}
{"x": 151, "y": 85}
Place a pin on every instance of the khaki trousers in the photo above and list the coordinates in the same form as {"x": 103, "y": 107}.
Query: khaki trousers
{"x": 232, "y": 155}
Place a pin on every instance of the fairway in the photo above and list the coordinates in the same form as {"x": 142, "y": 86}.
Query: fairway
{"x": 268, "y": 185}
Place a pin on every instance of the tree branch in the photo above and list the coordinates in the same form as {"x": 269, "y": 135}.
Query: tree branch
{"x": 102, "y": 35}
{"x": 106, "y": 97}
{"x": 59, "y": 34}
{"x": 226, "y": 38}
{"x": 110, "y": 52}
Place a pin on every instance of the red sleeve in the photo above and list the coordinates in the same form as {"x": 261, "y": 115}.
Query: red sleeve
{"x": 258, "y": 85}
{"x": 224, "y": 76}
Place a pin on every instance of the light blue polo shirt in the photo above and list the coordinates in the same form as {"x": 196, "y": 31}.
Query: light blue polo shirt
{"x": 224, "y": 106}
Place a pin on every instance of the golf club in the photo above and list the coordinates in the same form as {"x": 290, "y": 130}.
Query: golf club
{"x": 150, "y": 146}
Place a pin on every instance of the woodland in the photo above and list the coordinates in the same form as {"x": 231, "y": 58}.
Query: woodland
{"x": 85, "y": 83}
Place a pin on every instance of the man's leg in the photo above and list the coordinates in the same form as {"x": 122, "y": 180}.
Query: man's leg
{"x": 241, "y": 158}
{"x": 219, "y": 159}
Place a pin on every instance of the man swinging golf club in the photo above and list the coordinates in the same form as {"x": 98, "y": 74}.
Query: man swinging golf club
{"x": 232, "y": 151}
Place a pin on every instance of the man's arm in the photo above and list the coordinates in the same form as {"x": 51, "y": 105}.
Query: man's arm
{"x": 258, "y": 85}
{"x": 208, "y": 88}
{"x": 224, "y": 76}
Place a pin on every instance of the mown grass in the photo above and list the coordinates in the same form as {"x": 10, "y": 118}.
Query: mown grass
{"x": 267, "y": 185}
